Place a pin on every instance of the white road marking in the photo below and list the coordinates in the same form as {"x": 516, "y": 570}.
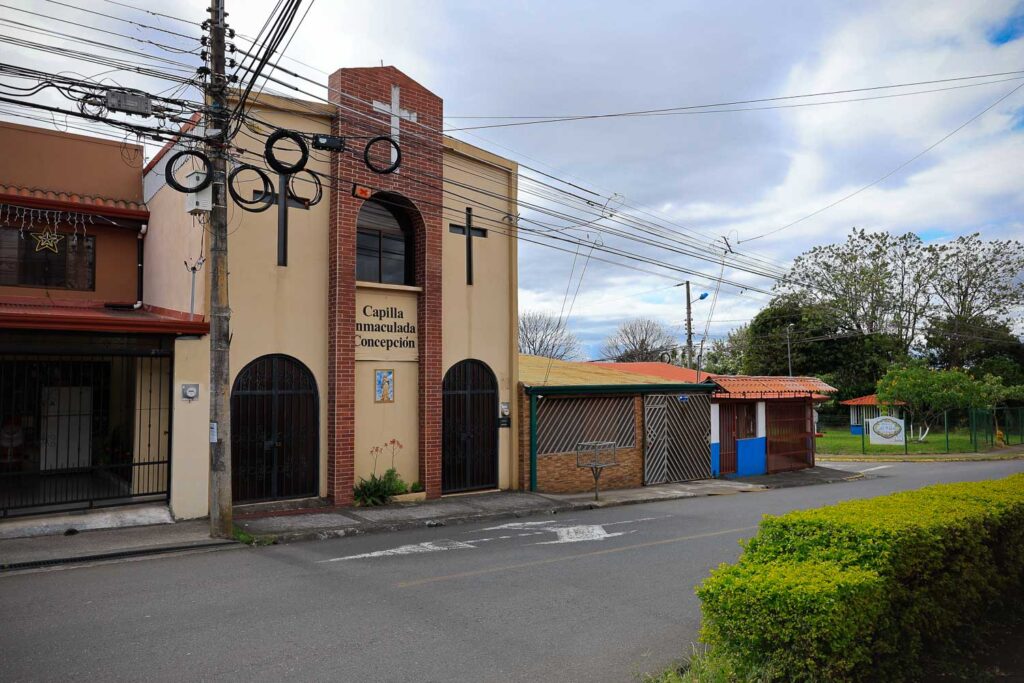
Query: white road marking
{"x": 564, "y": 533}
{"x": 879, "y": 467}
{"x": 428, "y": 547}
{"x": 583, "y": 532}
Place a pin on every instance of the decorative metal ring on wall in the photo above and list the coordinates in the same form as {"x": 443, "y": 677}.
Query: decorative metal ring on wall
{"x": 394, "y": 164}
{"x": 279, "y": 165}
{"x": 173, "y": 162}
{"x": 263, "y": 201}
{"x": 318, "y": 193}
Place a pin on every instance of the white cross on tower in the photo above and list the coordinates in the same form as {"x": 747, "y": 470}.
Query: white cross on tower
{"x": 397, "y": 114}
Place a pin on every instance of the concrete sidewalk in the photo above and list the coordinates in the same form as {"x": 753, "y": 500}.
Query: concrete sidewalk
{"x": 323, "y": 521}
{"x": 106, "y": 544}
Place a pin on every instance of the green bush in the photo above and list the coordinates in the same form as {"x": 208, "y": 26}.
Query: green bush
{"x": 814, "y": 616}
{"x": 869, "y": 588}
{"x": 379, "y": 490}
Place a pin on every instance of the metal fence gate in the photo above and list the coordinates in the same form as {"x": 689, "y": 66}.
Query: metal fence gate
{"x": 677, "y": 429}
{"x": 790, "y": 435}
{"x": 655, "y": 439}
{"x": 727, "y": 458}
{"x": 80, "y": 429}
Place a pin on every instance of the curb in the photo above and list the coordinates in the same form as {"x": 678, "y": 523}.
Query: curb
{"x": 921, "y": 458}
{"x": 556, "y": 507}
{"x": 286, "y": 537}
{"x": 116, "y": 555}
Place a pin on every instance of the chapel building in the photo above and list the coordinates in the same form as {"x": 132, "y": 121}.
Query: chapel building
{"x": 378, "y": 333}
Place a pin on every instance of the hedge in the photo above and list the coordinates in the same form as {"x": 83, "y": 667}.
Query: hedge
{"x": 867, "y": 589}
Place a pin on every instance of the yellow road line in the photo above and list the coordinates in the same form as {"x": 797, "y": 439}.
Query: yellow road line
{"x": 564, "y": 558}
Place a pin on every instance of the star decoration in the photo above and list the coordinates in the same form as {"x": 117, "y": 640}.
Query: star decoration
{"x": 47, "y": 240}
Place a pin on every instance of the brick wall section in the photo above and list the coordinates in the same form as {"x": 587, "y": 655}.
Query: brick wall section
{"x": 557, "y": 472}
{"x": 418, "y": 182}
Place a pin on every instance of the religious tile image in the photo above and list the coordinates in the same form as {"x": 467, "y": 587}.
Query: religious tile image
{"x": 384, "y": 386}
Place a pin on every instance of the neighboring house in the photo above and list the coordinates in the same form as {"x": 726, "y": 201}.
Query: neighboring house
{"x": 866, "y": 408}
{"x": 85, "y": 358}
{"x": 666, "y": 429}
{"x": 763, "y": 425}
{"x": 661, "y": 429}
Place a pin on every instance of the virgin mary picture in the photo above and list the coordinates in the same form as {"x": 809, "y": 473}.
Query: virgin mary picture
{"x": 384, "y": 390}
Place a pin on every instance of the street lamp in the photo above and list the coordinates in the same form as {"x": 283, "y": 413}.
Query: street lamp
{"x": 689, "y": 322}
{"x": 789, "y": 347}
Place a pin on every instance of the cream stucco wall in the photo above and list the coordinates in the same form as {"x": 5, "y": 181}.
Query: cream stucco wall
{"x": 190, "y": 445}
{"x": 277, "y": 309}
{"x": 378, "y": 423}
{"x": 274, "y": 309}
{"x": 173, "y": 238}
{"x": 480, "y": 320}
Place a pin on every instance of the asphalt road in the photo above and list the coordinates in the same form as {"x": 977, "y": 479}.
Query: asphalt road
{"x": 593, "y": 596}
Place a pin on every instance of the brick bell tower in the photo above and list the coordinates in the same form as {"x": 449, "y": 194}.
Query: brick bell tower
{"x": 370, "y": 102}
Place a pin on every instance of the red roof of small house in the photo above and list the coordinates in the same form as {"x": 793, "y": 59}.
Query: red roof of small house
{"x": 675, "y": 373}
{"x": 869, "y": 400}
{"x": 90, "y": 316}
{"x": 35, "y": 198}
{"x": 770, "y": 387}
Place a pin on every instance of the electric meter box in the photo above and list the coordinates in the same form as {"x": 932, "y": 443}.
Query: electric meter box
{"x": 198, "y": 202}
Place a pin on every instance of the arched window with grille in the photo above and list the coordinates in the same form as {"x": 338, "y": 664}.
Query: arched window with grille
{"x": 385, "y": 249}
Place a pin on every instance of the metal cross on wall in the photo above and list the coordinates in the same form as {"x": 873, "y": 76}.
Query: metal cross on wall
{"x": 285, "y": 200}
{"x": 468, "y": 231}
{"x": 397, "y": 114}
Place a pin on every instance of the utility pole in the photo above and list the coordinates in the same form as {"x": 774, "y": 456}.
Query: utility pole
{"x": 220, "y": 312}
{"x": 689, "y": 327}
{"x": 789, "y": 348}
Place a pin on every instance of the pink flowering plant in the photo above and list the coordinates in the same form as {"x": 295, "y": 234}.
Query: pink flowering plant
{"x": 380, "y": 490}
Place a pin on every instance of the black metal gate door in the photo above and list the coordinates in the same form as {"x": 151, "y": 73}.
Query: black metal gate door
{"x": 275, "y": 435}
{"x": 469, "y": 459}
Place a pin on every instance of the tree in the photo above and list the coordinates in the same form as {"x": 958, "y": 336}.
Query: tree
{"x": 544, "y": 335}
{"x": 978, "y": 285}
{"x": 850, "y": 362}
{"x": 987, "y": 345}
{"x": 927, "y": 393}
{"x": 871, "y": 283}
{"x": 639, "y": 340}
{"x": 725, "y": 357}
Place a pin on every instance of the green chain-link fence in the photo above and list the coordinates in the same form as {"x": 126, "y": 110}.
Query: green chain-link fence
{"x": 957, "y": 431}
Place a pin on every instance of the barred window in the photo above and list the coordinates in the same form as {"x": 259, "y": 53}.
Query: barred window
{"x": 562, "y": 423}
{"x": 746, "y": 420}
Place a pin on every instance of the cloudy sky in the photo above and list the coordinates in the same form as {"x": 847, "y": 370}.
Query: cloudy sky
{"x": 700, "y": 176}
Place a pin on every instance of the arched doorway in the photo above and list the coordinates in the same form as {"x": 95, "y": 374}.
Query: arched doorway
{"x": 275, "y": 435}
{"x": 469, "y": 459}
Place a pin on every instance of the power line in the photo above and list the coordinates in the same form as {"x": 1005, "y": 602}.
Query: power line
{"x": 106, "y": 31}
{"x": 692, "y": 107}
{"x": 121, "y": 19}
{"x": 891, "y": 173}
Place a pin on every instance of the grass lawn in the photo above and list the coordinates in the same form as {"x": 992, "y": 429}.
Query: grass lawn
{"x": 839, "y": 441}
